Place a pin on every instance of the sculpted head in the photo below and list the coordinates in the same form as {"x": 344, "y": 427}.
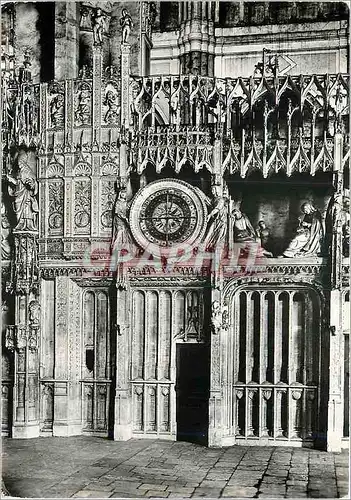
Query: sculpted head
{"x": 307, "y": 208}
{"x": 237, "y": 214}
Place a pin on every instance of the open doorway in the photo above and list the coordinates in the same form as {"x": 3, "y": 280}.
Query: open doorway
{"x": 192, "y": 389}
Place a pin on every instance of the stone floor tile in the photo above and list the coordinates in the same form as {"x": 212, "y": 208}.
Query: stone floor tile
{"x": 99, "y": 487}
{"x": 182, "y": 489}
{"x": 70, "y": 466}
{"x": 156, "y": 494}
{"x": 206, "y": 483}
{"x": 270, "y": 495}
{"x": 238, "y": 492}
{"x": 151, "y": 486}
{"x": 179, "y": 495}
{"x": 119, "y": 494}
{"x": 92, "y": 494}
{"x": 296, "y": 494}
{"x": 207, "y": 492}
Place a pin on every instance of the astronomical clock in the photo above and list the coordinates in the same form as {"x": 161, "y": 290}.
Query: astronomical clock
{"x": 168, "y": 213}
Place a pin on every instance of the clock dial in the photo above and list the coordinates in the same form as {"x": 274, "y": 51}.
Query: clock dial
{"x": 167, "y": 213}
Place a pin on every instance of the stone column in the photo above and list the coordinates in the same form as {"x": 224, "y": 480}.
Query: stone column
{"x": 216, "y": 401}
{"x": 335, "y": 396}
{"x": 215, "y": 430}
{"x": 123, "y": 401}
{"x": 61, "y": 357}
{"x": 196, "y": 38}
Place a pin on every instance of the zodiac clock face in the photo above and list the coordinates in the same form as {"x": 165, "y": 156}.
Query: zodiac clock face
{"x": 168, "y": 213}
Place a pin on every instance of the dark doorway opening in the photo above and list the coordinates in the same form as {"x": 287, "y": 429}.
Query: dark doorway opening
{"x": 192, "y": 390}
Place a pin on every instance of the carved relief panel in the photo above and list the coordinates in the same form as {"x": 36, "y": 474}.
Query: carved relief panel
{"x": 110, "y": 104}
{"x": 56, "y": 203}
{"x": 56, "y": 105}
{"x": 107, "y": 195}
{"x": 82, "y": 103}
{"x": 82, "y": 196}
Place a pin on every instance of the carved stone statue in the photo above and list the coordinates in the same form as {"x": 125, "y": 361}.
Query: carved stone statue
{"x": 218, "y": 221}
{"x": 216, "y": 317}
{"x": 346, "y": 227}
{"x": 98, "y": 27}
{"x": 242, "y": 228}
{"x": 346, "y": 239}
{"x": 5, "y": 226}
{"x": 34, "y": 313}
{"x": 264, "y": 235}
{"x": 127, "y": 24}
{"x": 309, "y": 234}
{"x": 57, "y": 110}
{"x": 122, "y": 241}
{"x": 121, "y": 235}
{"x": 111, "y": 101}
{"x": 24, "y": 190}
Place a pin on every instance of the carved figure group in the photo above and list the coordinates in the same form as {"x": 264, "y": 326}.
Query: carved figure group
{"x": 127, "y": 25}
{"x": 307, "y": 241}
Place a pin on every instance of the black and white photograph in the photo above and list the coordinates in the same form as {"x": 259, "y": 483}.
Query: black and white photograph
{"x": 175, "y": 239}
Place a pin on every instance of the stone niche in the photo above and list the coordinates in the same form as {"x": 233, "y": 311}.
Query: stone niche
{"x": 278, "y": 202}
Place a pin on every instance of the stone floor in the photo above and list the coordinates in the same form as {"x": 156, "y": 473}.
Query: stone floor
{"x": 86, "y": 467}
